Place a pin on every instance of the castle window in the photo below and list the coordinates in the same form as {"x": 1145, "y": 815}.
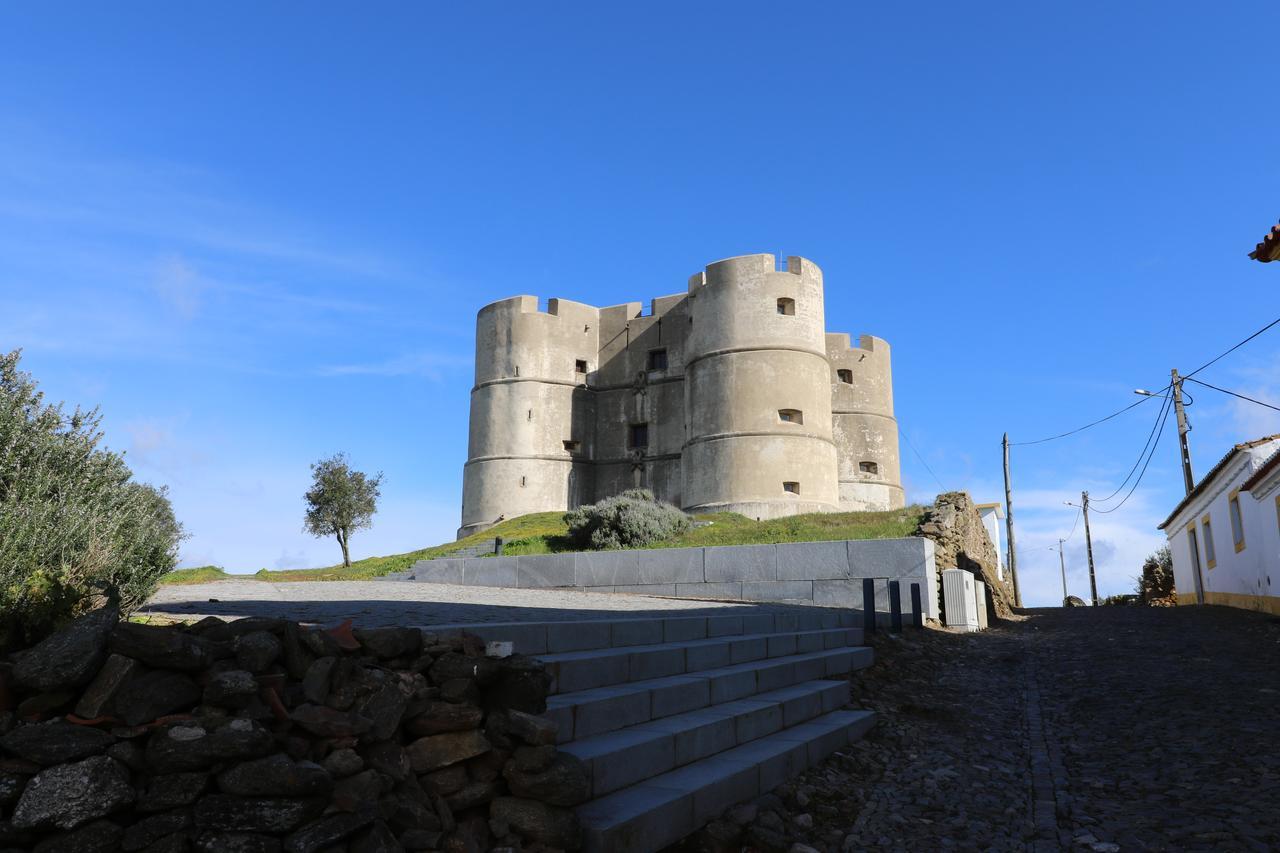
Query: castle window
{"x": 639, "y": 435}
{"x": 580, "y": 366}
{"x": 657, "y": 359}
{"x": 791, "y": 487}
{"x": 791, "y": 416}
{"x": 572, "y": 445}
{"x": 868, "y": 467}
{"x": 523, "y": 482}
{"x": 845, "y": 375}
{"x": 787, "y": 307}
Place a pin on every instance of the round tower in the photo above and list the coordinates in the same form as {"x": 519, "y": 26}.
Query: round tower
{"x": 864, "y": 428}
{"x": 532, "y": 425}
{"x": 758, "y": 405}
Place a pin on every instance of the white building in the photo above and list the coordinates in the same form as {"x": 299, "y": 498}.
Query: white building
{"x": 1225, "y": 535}
{"x": 992, "y": 515}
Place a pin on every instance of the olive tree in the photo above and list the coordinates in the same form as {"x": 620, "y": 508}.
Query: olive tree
{"x": 340, "y": 501}
{"x": 75, "y": 527}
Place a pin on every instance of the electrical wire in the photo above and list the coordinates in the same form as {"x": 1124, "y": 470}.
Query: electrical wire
{"x": 903, "y": 433}
{"x": 1164, "y": 409}
{"x": 1213, "y": 360}
{"x": 1164, "y": 421}
{"x": 1234, "y": 394}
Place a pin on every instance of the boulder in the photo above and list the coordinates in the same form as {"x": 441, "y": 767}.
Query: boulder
{"x": 327, "y": 831}
{"x": 235, "y": 842}
{"x": 454, "y": 665}
{"x": 384, "y": 707}
{"x": 96, "y": 699}
{"x": 257, "y": 650}
{"x": 439, "y": 717}
{"x": 231, "y": 688}
{"x": 553, "y": 826}
{"x": 69, "y": 795}
{"x": 101, "y": 836}
{"x": 563, "y": 782}
{"x": 155, "y": 694}
{"x": 315, "y": 683}
{"x": 151, "y": 829}
{"x": 387, "y": 643}
{"x": 377, "y": 839}
{"x": 69, "y": 657}
{"x": 164, "y": 647}
{"x": 171, "y": 791}
{"x": 342, "y": 763}
{"x": 55, "y": 742}
{"x": 388, "y": 758}
{"x": 255, "y": 814}
{"x": 473, "y": 794}
{"x": 329, "y": 722}
{"x": 191, "y": 747}
{"x": 522, "y": 684}
{"x": 276, "y": 776}
{"x": 11, "y": 785}
{"x": 436, "y": 751}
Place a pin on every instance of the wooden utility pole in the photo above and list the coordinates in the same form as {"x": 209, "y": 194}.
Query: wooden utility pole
{"x": 1008, "y": 526}
{"x": 1062, "y": 563}
{"x": 1183, "y": 428}
{"x": 1088, "y": 544}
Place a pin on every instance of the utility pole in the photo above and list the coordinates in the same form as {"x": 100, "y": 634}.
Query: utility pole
{"x": 1088, "y": 544}
{"x": 1008, "y": 526}
{"x": 1062, "y": 563}
{"x": 1183, "y": 428}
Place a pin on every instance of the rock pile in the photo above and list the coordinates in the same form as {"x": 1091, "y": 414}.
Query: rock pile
{"x": 960, "y": 541}
{"x": 263, "y": 735}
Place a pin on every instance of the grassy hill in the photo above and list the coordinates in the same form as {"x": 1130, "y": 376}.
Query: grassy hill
{"x": 544, "y": 533}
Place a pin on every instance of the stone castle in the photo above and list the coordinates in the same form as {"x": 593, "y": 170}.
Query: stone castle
{"x": 731, "y": 397}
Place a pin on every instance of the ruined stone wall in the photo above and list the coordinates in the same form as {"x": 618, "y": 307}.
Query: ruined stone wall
{"x": 262, "y": 735}
{"x": 961, "y": 542}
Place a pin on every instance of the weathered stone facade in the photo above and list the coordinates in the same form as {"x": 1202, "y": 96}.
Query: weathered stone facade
{"x": 730, "y": 397}
{"x": 961, "y": 542}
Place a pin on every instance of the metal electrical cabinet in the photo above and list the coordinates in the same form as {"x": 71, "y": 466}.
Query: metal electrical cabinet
{"x": 958, "y": 597}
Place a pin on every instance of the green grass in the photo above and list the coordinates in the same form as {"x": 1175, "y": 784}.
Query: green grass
{"x": 202, "y": 574}
{"x": 544, "y": 533}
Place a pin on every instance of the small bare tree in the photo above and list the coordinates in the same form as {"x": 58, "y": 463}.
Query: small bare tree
{"x": 340, "y": 501}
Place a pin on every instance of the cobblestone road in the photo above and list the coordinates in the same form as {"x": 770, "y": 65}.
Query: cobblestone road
{"x": 1099, "y": 729}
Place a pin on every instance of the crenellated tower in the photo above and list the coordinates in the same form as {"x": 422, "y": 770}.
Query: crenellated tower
{"x": 729, "y": 397}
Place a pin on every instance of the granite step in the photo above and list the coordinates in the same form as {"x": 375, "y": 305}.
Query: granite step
{"x": 663, "y": 809}
{"x": 625, "y": 757}
{"x": 584, "y": 713}
{"x": 583, "y": 670}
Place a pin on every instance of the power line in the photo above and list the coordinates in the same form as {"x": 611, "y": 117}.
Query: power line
{"x": 1164, "y": 410}
{"x": 1134, "y": 488}
{"x": 1234, "y": 394}
{"x": 1073, "y": 525}
{"x": 1213, "y": 360}
{"x": 903, "y": 432}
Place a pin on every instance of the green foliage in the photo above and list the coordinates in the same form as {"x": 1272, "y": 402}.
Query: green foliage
{"x": 340, "y": 501}
{"x": 632, "y": 519}
{"x": 1156, "y": 581}
{"x": 199, "y": 574}
{"x": 73, "y": 524}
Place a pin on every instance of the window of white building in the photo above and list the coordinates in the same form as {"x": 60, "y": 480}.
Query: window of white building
{"x": 1237, "y": 522}
{"x": 1210, "y": 556}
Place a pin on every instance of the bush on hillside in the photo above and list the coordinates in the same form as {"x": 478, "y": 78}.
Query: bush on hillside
{"x": 1156, "y": 582}
{"x": 74, "y": 526}
{"x": 632, "y": 519}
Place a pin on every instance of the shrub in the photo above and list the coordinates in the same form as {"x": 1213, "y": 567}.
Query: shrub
{"x": 74, "y": 526}
{"x": 632, "y": 519}
{"x": 1156, "y": 582}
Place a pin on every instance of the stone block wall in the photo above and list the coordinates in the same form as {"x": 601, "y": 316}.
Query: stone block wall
{"x": 263, "y": 735}
{"x": 961, "y": 541}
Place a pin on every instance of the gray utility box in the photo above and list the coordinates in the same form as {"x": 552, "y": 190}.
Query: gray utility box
{"x": 959, "y": 599}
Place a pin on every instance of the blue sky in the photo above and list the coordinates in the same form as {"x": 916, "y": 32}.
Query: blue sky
{"x": 257, "y": 234}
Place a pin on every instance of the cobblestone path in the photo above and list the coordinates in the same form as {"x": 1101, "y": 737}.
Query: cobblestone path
{"x": 1099, "y": 729}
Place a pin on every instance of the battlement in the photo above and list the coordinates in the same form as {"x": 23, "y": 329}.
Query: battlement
{"x": 750, "y": 266}
{"x": 840, "y": 344}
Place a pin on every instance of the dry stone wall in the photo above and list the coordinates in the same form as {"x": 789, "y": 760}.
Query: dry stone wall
{"x": 961, "y": 542}
{"x": 262, "y": 735}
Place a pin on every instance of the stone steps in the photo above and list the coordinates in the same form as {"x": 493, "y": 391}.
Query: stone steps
{"x": 679, "y": 717}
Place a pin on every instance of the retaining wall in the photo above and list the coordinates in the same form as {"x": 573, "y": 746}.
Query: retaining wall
{"x": 827, "y": 574}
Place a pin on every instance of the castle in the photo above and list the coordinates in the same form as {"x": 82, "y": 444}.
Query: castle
{"x": 732, "y": 397}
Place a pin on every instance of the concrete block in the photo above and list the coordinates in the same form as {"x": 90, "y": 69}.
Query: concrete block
{"x": 656, "y": 663}
{"x": 636, "y": 820}
{"x": 667, "y": 589}
{"x": 808, "y": 620}
{"x": 910, "y": 559}
{"x": 438, "y": 571}
{"x": 757, "y": 623}
{"x": 489, "y": 571}
{"x": 530, "y": 638}
{"x": 777, "y": 674}
{"x": 714, "y": 591}
{"x": 715, "y": 784}
{"x": 721, "y": 626}
{"x": 540, "y": 571}
{"x": 707, "y": 654}
{"x": 753, "y": 718}
{"x": 636, "y": 632}
{"x": 683, "y": 628}
{"x": 811, "y": 641}
{"x": 618, "y": 759}
{"x": 671, "y": 565}
{"x": 786, "y": 621}
{"x": 606, "y": 568}
{"x": 562, "y": 716}
{"x": 837, "y": 593}
{"x": 578, "y": 636}
{"x": 781, "y": 645}
{"x": 835, "y": 696}
{"x": 777, "y": 591}
{"x": 697, "y": 734}
{"x": 813, "y": 560}
{"x": 731, "y": 682}
{"x": 741, "y": 563}
{"x": 836, "y": 662}
{"x": 677, "y": 694}
{"x": 743, "y": 649}
{"x": 828, "y": 619}
{"x": 799, "y": 702}
{"x": 777, "y": 760}
{"x": 607, "y": 709}
{"x": 585, "y": 670}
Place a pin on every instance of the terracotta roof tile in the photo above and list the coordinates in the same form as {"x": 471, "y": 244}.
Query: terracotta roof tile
{"x": 1269, "y": 249}
{"x": 1213, "y": 472}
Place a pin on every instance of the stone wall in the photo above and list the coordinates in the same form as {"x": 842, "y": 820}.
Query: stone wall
{"x": 263, "y": 735}
{"x": 961, "y": 542}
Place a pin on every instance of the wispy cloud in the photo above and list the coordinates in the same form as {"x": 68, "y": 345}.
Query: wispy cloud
{"x": 429, "y": 365}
